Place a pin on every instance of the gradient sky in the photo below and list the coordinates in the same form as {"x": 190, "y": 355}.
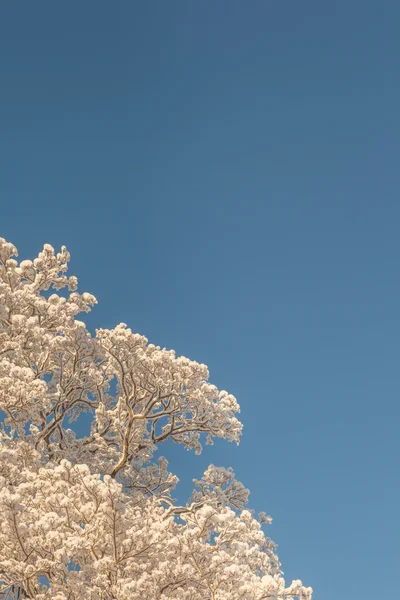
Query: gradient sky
{"x": 225, "y": 175}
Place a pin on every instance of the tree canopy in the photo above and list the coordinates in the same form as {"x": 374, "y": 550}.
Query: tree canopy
{"x": 94, "y": 517}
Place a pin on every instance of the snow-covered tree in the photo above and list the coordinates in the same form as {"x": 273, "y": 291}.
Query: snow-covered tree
{"x": 93, "y": 518}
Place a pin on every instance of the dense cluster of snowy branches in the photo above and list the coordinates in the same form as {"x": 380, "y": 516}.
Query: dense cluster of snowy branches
{"x": 93, "y": 518}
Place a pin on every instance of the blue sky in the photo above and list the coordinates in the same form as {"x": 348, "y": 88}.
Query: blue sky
{"x": 225, "y": 175}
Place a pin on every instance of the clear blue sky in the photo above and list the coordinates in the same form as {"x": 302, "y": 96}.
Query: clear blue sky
{"x": 225, "y": 175}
